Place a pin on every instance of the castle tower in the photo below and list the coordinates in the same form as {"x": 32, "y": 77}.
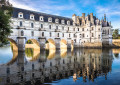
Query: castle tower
{"x": 74, "y": 18}
{"x": 83, "y": 18}
{"x": 91, "y": 18}
{"x": 105, "y": 17}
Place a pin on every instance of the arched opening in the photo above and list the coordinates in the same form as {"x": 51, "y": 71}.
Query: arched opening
{"x": 50, "y": 45}
{"x": 9, "y": 53}
{"x": 50, "y": 54}
{"x": 50, "y": 48}
{"x": 72, "y": 45}
{"x": 13, "y": 44}
{"x": 32, "y": 49}
{"x": 63, "y": 48}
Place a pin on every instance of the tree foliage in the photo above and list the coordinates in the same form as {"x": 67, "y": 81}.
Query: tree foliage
{"x": 5, "y": 15}
{"x": 115, "y": 34}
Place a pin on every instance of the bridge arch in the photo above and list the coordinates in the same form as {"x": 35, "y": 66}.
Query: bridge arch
{"x": 32, "y": 49}
{"x": 63, "y": 44}
{"x": 13, "y": 43}
{"x": 32, "y": 43}
{"x": 50, "y": 44}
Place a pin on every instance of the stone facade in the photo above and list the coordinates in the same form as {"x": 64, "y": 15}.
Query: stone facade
{"x": 79, "y": 31}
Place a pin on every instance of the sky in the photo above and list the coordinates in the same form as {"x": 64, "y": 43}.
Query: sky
{"x": 67, "y": 8}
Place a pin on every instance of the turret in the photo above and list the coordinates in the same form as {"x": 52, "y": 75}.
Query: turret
{"x": 74, "y": 18}
{"x": 105, "y": 17}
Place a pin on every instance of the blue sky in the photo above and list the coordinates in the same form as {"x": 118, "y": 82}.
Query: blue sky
{"x": 68, "y": 7}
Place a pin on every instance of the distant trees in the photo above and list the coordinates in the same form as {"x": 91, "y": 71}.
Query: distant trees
{"x": 116, "y": 34}
{"x": 5, "y": 15}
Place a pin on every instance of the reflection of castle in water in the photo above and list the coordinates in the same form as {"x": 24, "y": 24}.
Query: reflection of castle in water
{"x": 86, "y": 63}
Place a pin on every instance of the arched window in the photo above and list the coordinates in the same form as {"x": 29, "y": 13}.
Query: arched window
{"x": 68, "y": 28}
{"x": 49, "y": 19}
{"x": 32, "y": 17}
{"x": 32, "y": 25}
{"x": 32, "y": 33}
{"x": 41, "y": 25}
{"x": 63, "y": 34}
{"x": 49, "y": 26}
{"x": 42, "y": 34}
{"x": 41, "y": 18}
{"x": 56, "y": 20}
{"x": 22, "y": 33}
{"x": 92, "y": 35}
{"x": 21, "y": 24}
{"x": 68, "y": 22}
{"x": 20, "y": 15}
{"x": 62, "y": 28}
{"x": 50, "y": 34}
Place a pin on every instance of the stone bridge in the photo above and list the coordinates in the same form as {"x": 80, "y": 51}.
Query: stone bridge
{"x": 20, "y": 43}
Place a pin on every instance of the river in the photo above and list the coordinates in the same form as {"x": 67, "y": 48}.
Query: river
{"x": 80, "y": 67}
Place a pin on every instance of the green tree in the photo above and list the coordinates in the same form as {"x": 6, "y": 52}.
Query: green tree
{"x": 115, "y": 34}
{"x": 5, "y": 15}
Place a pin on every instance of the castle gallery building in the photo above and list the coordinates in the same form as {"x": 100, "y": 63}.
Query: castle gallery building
{"x": 81, "y": 31}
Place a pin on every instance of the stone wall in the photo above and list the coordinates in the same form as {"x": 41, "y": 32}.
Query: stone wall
{"x": 116, "y": 42}
{"x": 92, "y": 44}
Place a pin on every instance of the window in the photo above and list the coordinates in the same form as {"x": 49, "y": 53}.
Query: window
{"x": 73, "y": 29}
{"x": 92, "y": 28}
{"x": 32, "y": 25}
{"x": 50, "y": 34}
{"x": 63, "y": 34}
{"x": 41, "y": 25}
{"x": 99, "y": 36}
{"x": 42, "y": 34}
{"x": 78, "y": 29}
{"x": 32, "y": 33}
{"x": 68, "y": 28}
{"x": 68, "y": 22}
{"x": 49, "y": 26}
{"x": 56, "y": 27}
{"x": 92, "y": 35}
{"x": 49, "y": 19}
{"x": 83, "y": 35}
{"x": 74, "y": 35}
{"x": 58, "y": 34}
{"x": 20, "y": 15}
{"x": 82, "y": 29}
{"x": 63, "y": 22}
{"x": 108, "y": 31}
{"x": 56, "y": 20}
{"x": 41, "y": 18}
{"x": 21, "y": 24}
{"x": 32, "y": 17}
{"x": 69, "y": 35}
{"x": 22, "y": 33}
{"x": 62, "y": 28}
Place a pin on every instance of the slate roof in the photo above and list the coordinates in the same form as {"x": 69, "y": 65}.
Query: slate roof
{"x": 26, "y": 15}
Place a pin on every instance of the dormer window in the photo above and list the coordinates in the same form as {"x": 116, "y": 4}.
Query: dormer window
{"x": 68, "y": 22}
{"x": 56, "y": 20}
{"x": 41, "y": 18}
{"x": 49, "y": 19}
{"x": 20, "y": 15}
{"x": 32, "y": 17}
{"x": 63, "y": 22}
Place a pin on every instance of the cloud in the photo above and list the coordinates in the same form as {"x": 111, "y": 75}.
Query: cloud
{"x": 47, "y": 6}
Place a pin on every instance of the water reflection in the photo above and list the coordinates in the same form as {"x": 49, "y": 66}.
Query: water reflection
{"x": 50, "y": 65}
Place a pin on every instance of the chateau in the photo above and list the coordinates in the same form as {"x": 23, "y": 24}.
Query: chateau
{"x": 79, "y": 31}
